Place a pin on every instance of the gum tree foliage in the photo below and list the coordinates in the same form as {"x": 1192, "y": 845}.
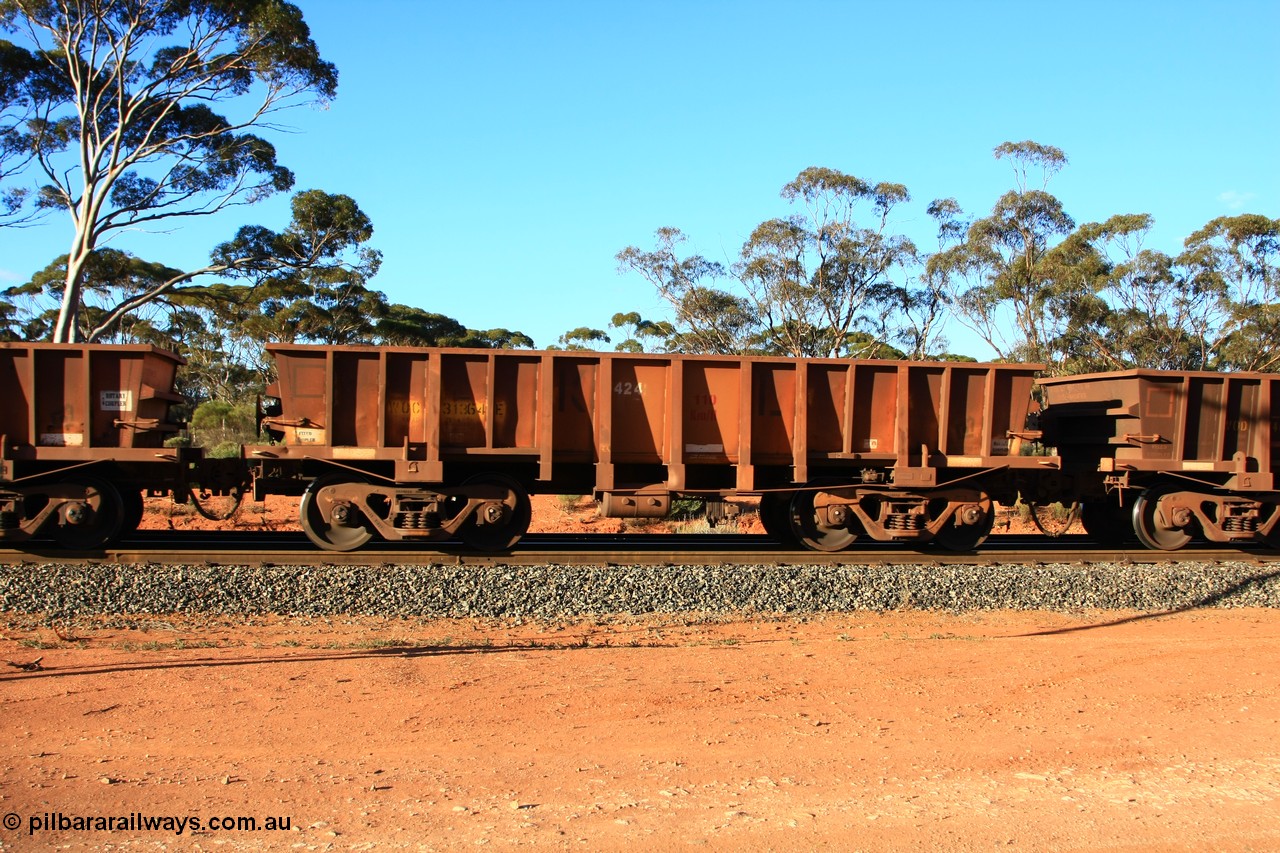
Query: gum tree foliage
{"x": 222, "y": 427}
{"x": 304, "y": 282}
{"x": 707, "y": 319}
{"x": 582, "y": 338}
{"x": 16, "y": 66}
{"x": 9, "y": 326}
{"x": 1212, "y": 307}
{"x": 404, "y": 325}
{"x": 121, "y": 122}
{"x": 1094, "y": 297}
{"x": 923, "y": 304}
{"x": 496, "y": 339}
{"x": 1237, "y": 260}
{"x": 1001, "y": 279}
{"x": 829, "y": 281}
{"x": 1034, "y": 285}
{"x": 640, "y": 333}
{"x": 823, "y": 282}
{"x": 1132, "y": 306}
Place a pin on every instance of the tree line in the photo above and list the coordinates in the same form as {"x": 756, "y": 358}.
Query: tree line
{"x": 149, "y": 113}
{"x": 835, "y": 280}
{"x": 145, "y": 114}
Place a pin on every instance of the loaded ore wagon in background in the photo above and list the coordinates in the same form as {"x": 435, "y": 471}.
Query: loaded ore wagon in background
{"x": 439, "y": 444}
{"x": 82, "y": 436}
{"x": 1169, "y": 455}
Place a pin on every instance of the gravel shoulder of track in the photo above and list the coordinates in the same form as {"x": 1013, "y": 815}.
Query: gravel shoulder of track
{"x": 62, "y": 591}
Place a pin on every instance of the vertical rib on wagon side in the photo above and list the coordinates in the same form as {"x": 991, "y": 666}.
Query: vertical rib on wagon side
{"x": 82, "y": 433}
{"x": 438, "y": 444}
{"x": 1164, "y": 456}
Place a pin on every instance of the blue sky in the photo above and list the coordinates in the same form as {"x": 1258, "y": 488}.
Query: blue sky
{"x": 506, "y": 151}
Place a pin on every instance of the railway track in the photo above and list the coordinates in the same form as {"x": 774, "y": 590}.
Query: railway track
{"x": 293, "y": 549}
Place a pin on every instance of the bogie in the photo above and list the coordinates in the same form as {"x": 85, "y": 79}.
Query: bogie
{"x": 444, "y": 446}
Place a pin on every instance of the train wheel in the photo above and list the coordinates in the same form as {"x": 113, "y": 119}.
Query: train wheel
{"x": 1158, "y": 524}
{"x": 131, "y": 500}
{"x": 347, "y": 529}
{"x": 93, "y": 521}
{"x": 826, "y": 529}
{"x": 979, "y": 516}
{"x": 965, "y": 537}
{"x": 1273, "y": 538}
{"x": 497, "y": 524}
{"x": 1108, "y": 523}
{"x": 775, "y": 515}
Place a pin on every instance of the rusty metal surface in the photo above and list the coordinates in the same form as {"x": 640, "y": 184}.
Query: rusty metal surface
{"x": 1198, "y": 422}
{"x": 609, "y": 421}
{"x": 82, "y": 432}
{"x": 70, "y": 401}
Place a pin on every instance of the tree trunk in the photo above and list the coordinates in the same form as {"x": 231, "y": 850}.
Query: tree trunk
{"x": 67, "y": 329}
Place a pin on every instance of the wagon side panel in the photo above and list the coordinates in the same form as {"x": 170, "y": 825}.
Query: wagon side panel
{"x": 875, "y": 410}
{"x": 16, "y": 415}
{"x": 640, "y": 406}
{"x": 773, "y": 413}
{"x": 711, "y": 411}
{"x": 304, "y": 377}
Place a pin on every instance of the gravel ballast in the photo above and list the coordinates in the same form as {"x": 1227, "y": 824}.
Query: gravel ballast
{"x": 64, "y": 591}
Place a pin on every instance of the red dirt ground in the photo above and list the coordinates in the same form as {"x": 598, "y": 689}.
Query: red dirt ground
{"x": 875, "y": 732}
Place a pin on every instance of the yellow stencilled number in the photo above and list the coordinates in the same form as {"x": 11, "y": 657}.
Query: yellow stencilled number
{"x": 461, "y": 408}
{"x": 469, "y": 409}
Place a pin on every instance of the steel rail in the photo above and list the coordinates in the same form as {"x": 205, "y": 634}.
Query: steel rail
{"x": 293, "y": 549}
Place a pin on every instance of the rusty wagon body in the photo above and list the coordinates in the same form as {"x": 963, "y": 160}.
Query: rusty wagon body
{"x": 409, "y": 443}
{"x": 444, "y": 445}
{"x": 82, "y": 435}
{"x": 1168, "y": 455}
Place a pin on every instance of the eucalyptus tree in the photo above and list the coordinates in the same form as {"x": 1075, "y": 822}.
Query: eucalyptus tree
{"x": 583, "y": 338}
{"x": 707, "y": 318}
{"x": 640, "y": 333}
{"x": 405, "y": 325}
{"x": 318, "y": 261}
{"x": 820, "y": 278}
{"x": 1128, "y": 305}
{"x": 1214, "y": 306}
{"x": 9, "y": 323}
{"x": 924, "y": 303}
{"x": 496, "y": 339}
{"x": 1237, "y": 258}
{"x": 1000, "y": 279}
{"x": 16, "y": 66}
{"x": 123, "y": 127}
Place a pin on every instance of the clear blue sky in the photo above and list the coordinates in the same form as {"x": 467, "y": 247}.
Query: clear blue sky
{"x": 506, "y": 151}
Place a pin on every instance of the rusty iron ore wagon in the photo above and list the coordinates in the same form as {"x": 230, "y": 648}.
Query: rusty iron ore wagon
{"x": 1169, "y": 455}
{"x": 437, "y": 444}
{"x": 82, "y": 436}
{"x": 445, "y": 445}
